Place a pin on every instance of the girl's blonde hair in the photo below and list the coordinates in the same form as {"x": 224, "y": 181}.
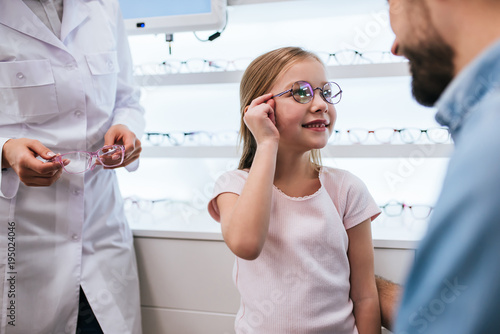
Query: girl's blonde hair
{"x": 257, "y": 80}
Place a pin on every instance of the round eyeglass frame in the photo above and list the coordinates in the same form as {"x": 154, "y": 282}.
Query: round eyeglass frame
{"x": 395, "y": 208}
{"x": 311, "y": 97}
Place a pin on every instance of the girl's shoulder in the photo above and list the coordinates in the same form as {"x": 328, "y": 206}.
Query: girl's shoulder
{"x": 350, "y": 196}
{"x": 234, "y": 174}
{"x": 231, "y": 179}
{"x": 337, "y": 174}
{"x": 340, "y": 180}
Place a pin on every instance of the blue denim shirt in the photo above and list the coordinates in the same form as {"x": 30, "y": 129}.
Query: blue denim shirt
{"x": 454, "y": 285}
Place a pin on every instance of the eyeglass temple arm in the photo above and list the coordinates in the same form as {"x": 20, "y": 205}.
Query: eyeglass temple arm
{"x": 282, "y": 93}
{"x": 340, "y": 92}
{"x": 94, "y": 157}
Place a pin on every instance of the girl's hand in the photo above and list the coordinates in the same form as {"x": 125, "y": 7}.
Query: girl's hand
{"x": 260, "y": 119}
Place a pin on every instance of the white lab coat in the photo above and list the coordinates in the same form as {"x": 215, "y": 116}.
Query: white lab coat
{"x": 66, "y": 93}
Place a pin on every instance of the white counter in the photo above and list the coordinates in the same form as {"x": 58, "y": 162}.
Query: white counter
{"x": 387, "y": 232}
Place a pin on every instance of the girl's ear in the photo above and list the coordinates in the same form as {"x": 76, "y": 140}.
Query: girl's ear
{"x": 246, "y": 108}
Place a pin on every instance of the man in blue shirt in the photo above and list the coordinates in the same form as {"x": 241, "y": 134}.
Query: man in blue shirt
{"x": 454, "y": 51}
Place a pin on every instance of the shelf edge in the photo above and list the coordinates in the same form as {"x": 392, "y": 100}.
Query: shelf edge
{"x": 412, "y": 151}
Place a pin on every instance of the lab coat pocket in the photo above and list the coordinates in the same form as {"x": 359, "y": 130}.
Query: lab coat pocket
{"x": 104, "y": 69}
{"x": 27, "y": 89}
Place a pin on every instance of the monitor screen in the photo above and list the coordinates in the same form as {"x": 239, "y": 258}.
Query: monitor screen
{"x": 168, "y": 16}
{"x": 133, "y": 9}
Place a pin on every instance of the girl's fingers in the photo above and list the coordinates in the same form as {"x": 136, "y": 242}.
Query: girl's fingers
{"x": 261, "y": 99}
{"x": 271, "y": 103}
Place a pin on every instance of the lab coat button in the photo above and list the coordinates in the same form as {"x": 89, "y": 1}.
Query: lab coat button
{"x": 76, "y": 192}
{"x": 20, "y": 76}
{"x": 78, "y": 113}
{"x": 70, "y": 67}
{"x": 74, "y": 237}
{"x": 111, "y": 65}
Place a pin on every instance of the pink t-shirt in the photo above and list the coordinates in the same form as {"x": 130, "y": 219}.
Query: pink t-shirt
{"x": 300, "y": 281}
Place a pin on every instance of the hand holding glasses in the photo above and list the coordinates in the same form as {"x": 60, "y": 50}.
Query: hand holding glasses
{"x": 78, "y": 162}
{"x": 302, "y": 92}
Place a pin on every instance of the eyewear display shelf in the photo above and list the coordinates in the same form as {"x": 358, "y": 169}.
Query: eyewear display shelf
{"x": 340, "y": 72}
{"x": 334, "y": 150}
{"x": 186, "y": 273}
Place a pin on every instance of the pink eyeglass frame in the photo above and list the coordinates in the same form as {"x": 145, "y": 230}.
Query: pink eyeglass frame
{"x": 94, "y": 157}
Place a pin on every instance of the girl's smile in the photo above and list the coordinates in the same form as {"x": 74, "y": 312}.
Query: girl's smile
{"x": 317, "y": 125}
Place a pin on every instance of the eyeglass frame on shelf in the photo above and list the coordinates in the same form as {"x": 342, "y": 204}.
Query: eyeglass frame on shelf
{"x": 350, "y": 134}
{"x": 426, "y": 131}
{"x": 334, "y": 55}
{"x": 393, "y": 131}
{"x": 402, "y": 206}
{"x": 174, "y": 66}
{"x": 207, "y": 65}
{"x": 142, "y": 204}
{"x": 366, "y": 56}
{"x": 213, "y": 137}
{"x": 172, "y": 140}
{"x": 177, "y": 65}
{"x": 215, "y": 64}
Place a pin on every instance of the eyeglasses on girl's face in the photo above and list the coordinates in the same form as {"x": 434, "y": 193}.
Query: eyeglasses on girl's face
{"x": 302, "y": 92}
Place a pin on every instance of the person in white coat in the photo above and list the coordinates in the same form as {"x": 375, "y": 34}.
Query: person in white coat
{"x": 65, "y": 85}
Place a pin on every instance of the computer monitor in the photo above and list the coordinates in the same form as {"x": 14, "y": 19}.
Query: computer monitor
{"x": 169, "y": 16}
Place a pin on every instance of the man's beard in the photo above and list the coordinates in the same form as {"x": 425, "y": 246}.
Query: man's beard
{"x": 432, "y": 70}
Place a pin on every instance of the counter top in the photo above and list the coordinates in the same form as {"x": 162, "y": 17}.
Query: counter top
{"x": 387, "y": 232}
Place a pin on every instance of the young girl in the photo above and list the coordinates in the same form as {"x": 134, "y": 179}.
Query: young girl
{"x": 300, "y": 232}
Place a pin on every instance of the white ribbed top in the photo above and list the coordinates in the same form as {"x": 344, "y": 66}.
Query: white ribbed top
{"x": 300, "y": 281}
